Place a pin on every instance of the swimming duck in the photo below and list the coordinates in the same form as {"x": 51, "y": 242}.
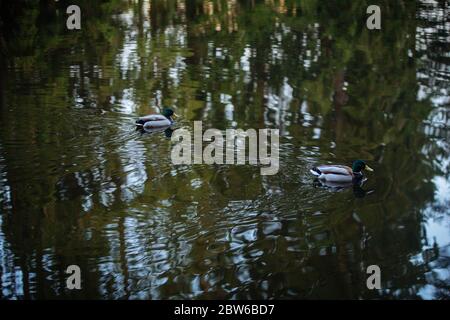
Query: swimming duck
{"x": 340, "y": 173}
{"x": 157, "y": 120}
{"x": 356, "y": 185}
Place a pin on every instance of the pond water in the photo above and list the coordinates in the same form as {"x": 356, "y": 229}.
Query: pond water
{"x": 79, "y": 185}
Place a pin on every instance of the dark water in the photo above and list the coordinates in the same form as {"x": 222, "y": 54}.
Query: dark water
{"x": 78, "y": 185}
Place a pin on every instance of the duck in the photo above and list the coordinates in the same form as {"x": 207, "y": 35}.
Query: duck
{"x": 335, "y": 173}
{"x": 356, "y": 186}
{"x": 157, "y": 120}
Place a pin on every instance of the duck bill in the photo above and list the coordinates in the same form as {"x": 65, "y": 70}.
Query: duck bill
{"x": 174, "y": 116}
{"x": 369, "y": 168}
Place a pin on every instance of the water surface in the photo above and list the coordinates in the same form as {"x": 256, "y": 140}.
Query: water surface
{"x": 78, "y": 184}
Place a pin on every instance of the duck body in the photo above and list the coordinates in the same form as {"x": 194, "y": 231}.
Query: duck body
{"x": 155, "y": 121}
{"x": 334, "y": 173}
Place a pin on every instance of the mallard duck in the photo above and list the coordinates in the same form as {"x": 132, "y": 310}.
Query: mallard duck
{"x": 341, "y": 174}
{"x": 157, "y": 120}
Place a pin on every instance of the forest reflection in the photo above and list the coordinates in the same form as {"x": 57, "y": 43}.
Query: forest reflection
{"x": 79, "y": 186}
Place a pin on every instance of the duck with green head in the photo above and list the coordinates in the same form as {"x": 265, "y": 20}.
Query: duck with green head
{"x": 339, "y": 173}
{"x": 157, "y": 120}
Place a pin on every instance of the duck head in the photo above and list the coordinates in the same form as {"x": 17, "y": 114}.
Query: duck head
{"x": 169, "y": 114}
{"x": 360, "y": 165}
